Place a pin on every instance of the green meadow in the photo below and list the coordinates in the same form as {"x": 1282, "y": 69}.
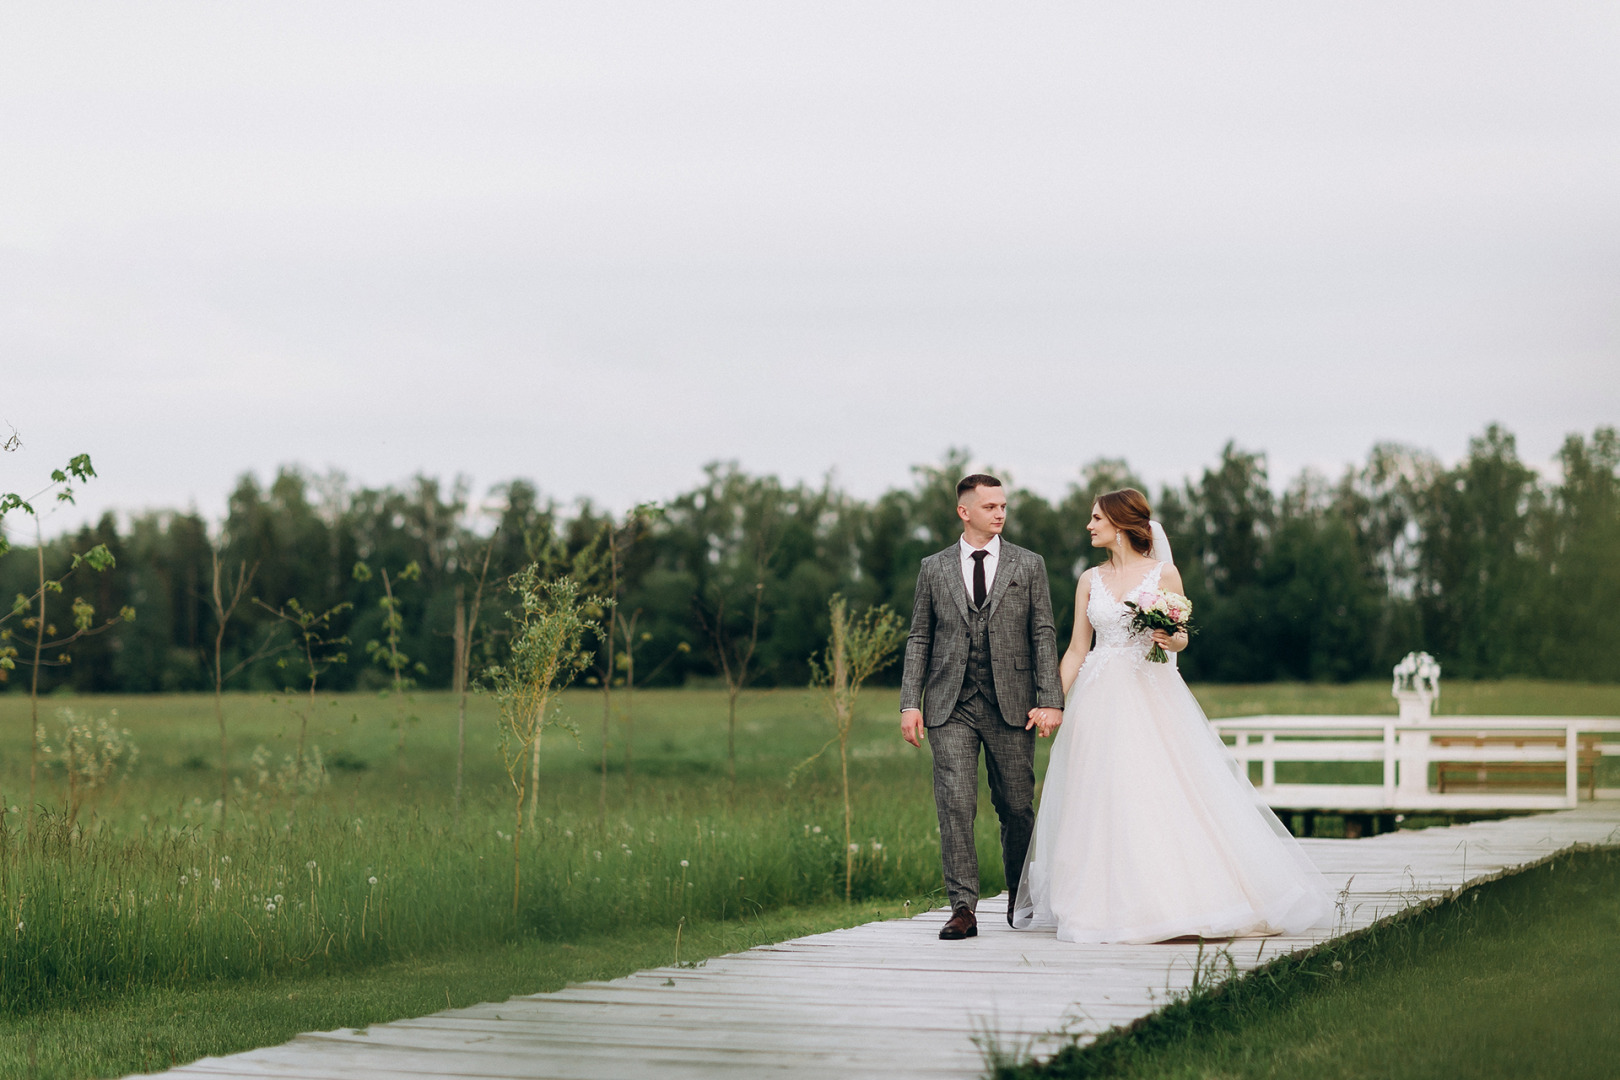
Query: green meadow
{"x": 346, "y": 883}
{"x": 1517, "y": 978}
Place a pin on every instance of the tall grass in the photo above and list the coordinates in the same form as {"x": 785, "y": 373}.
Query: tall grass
{"x": 154, "y": 890}
{"x": 88, "y": 915}
{"x": 154, "y": 886}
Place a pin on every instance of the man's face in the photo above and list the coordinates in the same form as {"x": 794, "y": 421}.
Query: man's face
{"x": 983, "y": 510}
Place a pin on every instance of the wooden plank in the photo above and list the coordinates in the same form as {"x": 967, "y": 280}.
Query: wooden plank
{"x": 888, "y": 999}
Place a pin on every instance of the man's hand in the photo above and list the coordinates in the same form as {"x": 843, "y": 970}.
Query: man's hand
{"x": 911, "y": 726}
{"x": 1047, "y": 720}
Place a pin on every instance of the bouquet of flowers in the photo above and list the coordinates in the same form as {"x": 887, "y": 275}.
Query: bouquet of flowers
{"x": 1161, "y": 609}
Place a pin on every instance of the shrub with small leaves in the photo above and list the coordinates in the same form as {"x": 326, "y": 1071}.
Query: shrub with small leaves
{"x": 89, "y": 751}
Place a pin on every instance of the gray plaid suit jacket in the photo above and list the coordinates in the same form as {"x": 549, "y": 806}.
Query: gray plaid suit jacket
{"x": 1023, "y": 639}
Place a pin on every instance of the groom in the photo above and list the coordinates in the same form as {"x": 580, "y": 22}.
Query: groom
{"x": 981, "y": 669}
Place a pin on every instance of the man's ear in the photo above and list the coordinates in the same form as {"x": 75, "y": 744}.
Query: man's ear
{"x": 961, "y": 512}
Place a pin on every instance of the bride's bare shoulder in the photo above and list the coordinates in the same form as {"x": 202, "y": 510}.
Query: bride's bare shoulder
{"x": 1170, "y": 578}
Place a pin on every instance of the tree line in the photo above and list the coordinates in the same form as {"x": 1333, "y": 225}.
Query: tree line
{"x": 1493, "y": 566}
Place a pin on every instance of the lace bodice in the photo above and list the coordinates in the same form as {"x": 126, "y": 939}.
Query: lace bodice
{"x": 1112, "y": 619}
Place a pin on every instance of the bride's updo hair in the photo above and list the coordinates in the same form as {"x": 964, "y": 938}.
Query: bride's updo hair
{"x": 1128, "y": 511}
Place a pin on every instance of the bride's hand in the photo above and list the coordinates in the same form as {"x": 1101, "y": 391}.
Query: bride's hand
{"x": 1170, "y": 643}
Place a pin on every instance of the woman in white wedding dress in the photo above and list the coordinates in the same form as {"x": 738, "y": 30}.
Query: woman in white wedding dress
{"x": 1146, "y": 830}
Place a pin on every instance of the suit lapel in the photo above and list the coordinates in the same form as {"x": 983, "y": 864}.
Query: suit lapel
{"x": 951, "y": 563}
{"x": 1006, "y": 573}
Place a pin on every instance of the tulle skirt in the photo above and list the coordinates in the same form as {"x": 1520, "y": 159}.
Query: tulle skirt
{"x": 1146, "y": 829}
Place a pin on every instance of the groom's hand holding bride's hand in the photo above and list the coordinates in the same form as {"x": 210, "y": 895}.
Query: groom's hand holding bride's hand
{"x": 1047, "y": 720}
{"x": 911, "y": 726}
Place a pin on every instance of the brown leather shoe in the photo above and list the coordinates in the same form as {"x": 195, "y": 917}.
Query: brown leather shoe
{"x": 961, "y": 924}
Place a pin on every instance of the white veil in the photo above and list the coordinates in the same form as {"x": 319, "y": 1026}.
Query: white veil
{"x": 1161, "y": 552}
{"x": 1161, "y": 543}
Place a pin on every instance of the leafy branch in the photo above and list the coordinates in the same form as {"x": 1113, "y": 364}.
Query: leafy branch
{"x": 33, "y": 609}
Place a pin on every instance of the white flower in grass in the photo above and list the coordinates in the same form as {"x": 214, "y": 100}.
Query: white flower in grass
{"x": 270, "y": 908}
{"x": 372, "y": 880}
{"x": 816, "y": 830}
{"x": 216, "y": 884}
{"x": 876, "y": 846}
{"x": 278, "y": 898}
{"x": 20, "y": 928}
{"x": 684, "y": 864}
{"x": 310, "y": 865}
{"x": 183, "y": 880}
{"x": 225, "y": 859}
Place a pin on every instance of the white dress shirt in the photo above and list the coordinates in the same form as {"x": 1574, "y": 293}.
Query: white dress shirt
{"x": 965, "y": 550}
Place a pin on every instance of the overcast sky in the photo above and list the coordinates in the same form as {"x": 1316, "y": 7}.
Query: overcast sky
{"x": 602, "y": 244}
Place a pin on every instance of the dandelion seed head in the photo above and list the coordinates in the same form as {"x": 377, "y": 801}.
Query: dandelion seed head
{"x": 1338, "y": 965}
{"x": 854, "y": 847}
{"x": 372, "y": 880}
{"x": 270, "y": 907}
{"x": 184, "y": 879}
{"x": 216, "y": 884}
{"x": 684, "y": 864}
{"x": 310, "y": 865}
{"x": 817, "y": 829}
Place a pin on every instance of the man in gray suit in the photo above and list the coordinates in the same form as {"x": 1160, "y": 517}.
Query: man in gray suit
{"x": 981, "y": 669}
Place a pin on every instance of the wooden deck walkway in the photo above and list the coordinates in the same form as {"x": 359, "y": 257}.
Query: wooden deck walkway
{"x": 887, "y": 999}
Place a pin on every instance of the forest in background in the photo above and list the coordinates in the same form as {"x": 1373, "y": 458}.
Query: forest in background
{"x": 1490, "y": 565}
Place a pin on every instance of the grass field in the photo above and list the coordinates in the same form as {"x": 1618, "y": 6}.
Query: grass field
{"x": 152, "y": 1028}
{"x": 157, "y": 895}
{"x": 1519, "y": 978}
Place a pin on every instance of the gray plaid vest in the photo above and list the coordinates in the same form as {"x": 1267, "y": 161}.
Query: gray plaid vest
{"x": 980, "y": 679}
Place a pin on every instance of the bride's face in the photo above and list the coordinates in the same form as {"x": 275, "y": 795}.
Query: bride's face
{"x": 1101, "y": 529}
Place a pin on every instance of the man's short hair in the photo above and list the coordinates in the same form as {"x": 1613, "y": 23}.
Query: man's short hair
{"x": 977, "y": 480}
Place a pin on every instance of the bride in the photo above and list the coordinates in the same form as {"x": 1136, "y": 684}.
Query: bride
{"x": 1146, "y": 830}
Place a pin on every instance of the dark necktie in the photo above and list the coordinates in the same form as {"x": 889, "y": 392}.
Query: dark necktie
{"x": 978, "y": 578}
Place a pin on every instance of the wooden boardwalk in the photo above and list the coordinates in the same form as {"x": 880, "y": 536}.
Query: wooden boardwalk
{"x": 887, "y": 999}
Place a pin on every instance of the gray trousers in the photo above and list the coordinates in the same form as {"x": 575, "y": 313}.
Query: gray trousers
{"x": 1009, "y": 757}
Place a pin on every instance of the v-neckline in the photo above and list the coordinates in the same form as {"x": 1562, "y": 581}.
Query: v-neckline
{"x": 1119, "y": 598}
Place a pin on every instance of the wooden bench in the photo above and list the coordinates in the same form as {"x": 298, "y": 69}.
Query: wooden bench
{"x": 1482, "y": 774}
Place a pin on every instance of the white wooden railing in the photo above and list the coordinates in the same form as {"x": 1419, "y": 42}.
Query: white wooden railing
{"x": 1526, "y": 746}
